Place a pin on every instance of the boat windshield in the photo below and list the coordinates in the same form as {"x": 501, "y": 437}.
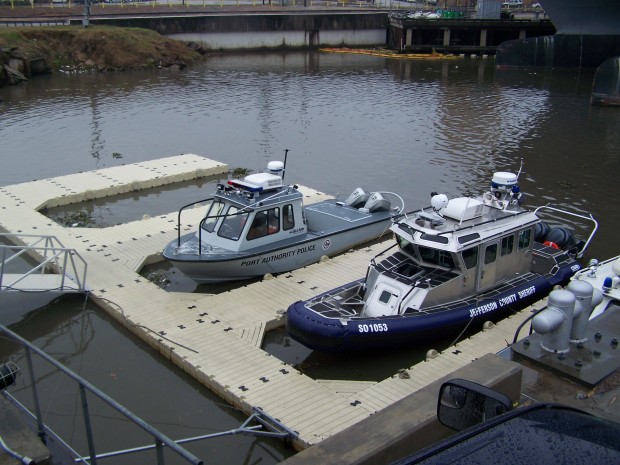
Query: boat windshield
{"x": 233, "y": 224}
{"x": 426, "y": 255}
{"x": 407, "y": 247}
{"x": 436, "y": 257}
{"x": 214, "y": 209}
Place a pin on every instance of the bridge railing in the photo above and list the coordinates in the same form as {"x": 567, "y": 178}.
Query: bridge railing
{"x": 102, "y": 5}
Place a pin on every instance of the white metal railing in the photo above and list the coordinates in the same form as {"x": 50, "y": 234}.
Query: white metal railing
{"x": 587, "y": 217}
{"x": 40, "y": 255}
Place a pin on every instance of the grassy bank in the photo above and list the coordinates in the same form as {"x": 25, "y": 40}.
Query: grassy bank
{"x": 95, "y": 48}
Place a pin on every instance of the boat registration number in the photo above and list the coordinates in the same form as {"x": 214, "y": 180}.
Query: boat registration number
{"x": 372, "y": 328}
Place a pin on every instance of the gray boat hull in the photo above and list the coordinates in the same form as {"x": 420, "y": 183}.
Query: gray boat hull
{"x": 303, "y": 251}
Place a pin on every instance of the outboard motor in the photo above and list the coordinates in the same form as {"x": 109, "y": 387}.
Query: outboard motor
{"x": 556, "y": 321}
{"x": 358, "y": 198}
{"x": 376, "y": 203}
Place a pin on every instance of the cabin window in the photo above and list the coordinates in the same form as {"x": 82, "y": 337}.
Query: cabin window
{"x": 385, "y": 297}
{"x": 524, "y": 238}
{"x": 288, "y": 218}
{"x": 265, "y": 222}
{"x": 508, "y": 243}
{"x": 490, "y": 254}
{"x": 406, "y": 246}
{"x": 468, "y": 238}
{"x": 436, "y": 257}
{"x": 470, "y": 257}
{"x": 434, "y": 238}
{"x": 233, "y": 224}
{"x": 213, "y": 214}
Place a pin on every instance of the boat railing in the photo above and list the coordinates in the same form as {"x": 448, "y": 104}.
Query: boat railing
{"x": 383, "y": 252}
{"x": 400, "y": 211}
{"x": 51, "y": 258}
{"x": 587, "y": 217}
{"x": 509, "y": 215}
{"x": 181, "y": 211}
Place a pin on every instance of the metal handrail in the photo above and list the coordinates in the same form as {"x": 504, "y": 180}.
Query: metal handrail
{"x": 179, "y": 216}
{"x": 65, "y": 261}
{"x": 159, "y": 438}
{"x": 587, "y": 217}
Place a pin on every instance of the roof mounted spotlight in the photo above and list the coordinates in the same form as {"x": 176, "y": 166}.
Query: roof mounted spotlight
{"x": 249, "y": 195}
{"x": 220, "y": 187}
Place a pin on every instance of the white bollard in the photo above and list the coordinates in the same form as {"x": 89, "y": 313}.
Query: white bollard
{"x": 583, "y": 292}
{"x": 556, "y": 321}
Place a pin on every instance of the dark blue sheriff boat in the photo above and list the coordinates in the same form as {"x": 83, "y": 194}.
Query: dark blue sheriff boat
{"x": 459, "y": 263}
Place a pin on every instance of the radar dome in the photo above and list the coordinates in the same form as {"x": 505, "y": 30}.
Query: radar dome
{"x": 275, "y": 167}
{"x": 439, "y": 201}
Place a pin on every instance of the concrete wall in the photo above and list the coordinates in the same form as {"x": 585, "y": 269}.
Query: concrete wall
{"x": 247, "y": 31}
{"x": 275, "y": 39}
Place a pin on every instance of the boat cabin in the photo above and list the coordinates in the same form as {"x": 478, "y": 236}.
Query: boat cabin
{"x": 252, "y": 212}
{"x": 455, "y": 248}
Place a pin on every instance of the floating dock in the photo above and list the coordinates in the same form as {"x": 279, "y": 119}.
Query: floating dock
{"x": 217, "y": 338}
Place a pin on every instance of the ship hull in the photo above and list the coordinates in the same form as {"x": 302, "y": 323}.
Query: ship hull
{"x": 587, "y": 34}
{"x": 592, "y": 17}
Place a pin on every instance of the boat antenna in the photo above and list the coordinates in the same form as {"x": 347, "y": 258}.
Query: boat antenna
{"x": 284, "y": 169}
{"x": 520, "y": 169}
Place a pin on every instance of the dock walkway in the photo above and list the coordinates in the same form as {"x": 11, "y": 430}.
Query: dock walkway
{"x": 215, "y": 341}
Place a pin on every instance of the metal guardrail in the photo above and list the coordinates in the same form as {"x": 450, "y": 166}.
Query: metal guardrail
{"x": 265, "y": 425}
{"x": 85, "y": 387}
{"x": 33, "y": 23}
{"x": 51, "y": 257}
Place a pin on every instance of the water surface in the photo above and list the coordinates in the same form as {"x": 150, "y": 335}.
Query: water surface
{"x": 411, "y": 127}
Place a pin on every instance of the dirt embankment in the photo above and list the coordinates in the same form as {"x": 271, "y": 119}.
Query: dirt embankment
{"x": 29, "y": 50}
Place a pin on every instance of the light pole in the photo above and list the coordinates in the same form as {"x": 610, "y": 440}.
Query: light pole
{"x": 86, "y": 13}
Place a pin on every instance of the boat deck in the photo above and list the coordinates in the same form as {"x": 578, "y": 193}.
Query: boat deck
{"x": 217, "y": 338}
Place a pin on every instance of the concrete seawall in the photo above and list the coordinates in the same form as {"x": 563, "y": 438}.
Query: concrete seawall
{"x": 272, "y": 30}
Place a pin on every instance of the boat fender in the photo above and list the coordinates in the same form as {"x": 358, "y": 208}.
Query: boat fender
{"x": 267, "y": 277}
{"x": 562, "y": 237}
{"x": 323, "y": 258}
{"x": 488, "y": 325}
{"x": 540, "y": 231}
{"x": 431, "y": 354}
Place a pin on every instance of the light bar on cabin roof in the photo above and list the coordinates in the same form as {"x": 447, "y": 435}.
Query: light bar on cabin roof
{"x": 245, "y": 185}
